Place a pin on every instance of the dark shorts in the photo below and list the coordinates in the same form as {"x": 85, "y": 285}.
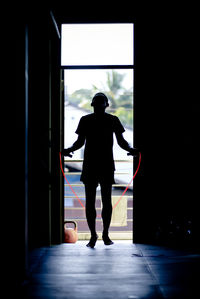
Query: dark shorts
{"x": 106, "y": 178}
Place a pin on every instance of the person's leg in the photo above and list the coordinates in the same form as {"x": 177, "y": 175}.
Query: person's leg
{"x": 90, "y": 193}
{"x": 106, "y": 190}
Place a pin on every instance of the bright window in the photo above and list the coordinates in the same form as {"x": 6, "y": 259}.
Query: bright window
{"x": 97, "y": 44}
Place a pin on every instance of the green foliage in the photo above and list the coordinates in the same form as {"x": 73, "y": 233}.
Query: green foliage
{"x": 121, "y": 99}
{"x": 125, "y": 116}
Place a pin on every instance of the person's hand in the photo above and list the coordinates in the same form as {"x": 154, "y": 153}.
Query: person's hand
{"x": 66, "y": 152}
{"x": 133, "y": 152}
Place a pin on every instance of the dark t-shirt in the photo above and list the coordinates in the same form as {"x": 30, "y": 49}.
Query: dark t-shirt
{"x": 98, "y": 164}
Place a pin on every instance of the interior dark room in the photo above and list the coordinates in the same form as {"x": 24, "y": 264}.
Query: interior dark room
{"x": 163, "y": 258}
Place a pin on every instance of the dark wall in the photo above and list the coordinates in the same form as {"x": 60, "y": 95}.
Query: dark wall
{"x": 45, "y": 131}
{"x": 166, "y": 128}
{"x": 39, "y": 206}
{"x": 34, "y": 193}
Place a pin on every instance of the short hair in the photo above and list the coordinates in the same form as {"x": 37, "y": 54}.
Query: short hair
{"x": 98, "y": 97}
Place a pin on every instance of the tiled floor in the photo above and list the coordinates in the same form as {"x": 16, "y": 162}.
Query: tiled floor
{"x": 123, "y": 270}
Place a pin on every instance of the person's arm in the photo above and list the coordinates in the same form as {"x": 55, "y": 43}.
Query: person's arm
{"x": 77, "y": 144}
{"x": 124, "y": 145}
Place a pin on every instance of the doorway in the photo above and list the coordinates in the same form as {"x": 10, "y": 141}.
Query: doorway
{"x": 111, "y": 72}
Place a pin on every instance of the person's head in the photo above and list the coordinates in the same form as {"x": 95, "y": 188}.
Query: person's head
{"x": 99, "y": 102}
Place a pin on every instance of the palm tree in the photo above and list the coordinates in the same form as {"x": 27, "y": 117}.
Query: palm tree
{"x": 114, "y": 84}
{"x": 120, "y": 98}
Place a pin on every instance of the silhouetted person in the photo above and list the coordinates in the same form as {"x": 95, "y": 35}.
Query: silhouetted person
{"x": 96, "y": 132}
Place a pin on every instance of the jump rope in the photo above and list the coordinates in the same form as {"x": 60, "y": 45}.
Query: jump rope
{"x": 68, "y": 183}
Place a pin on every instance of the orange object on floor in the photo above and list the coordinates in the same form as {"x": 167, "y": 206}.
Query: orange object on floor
{"x": 70, "y": 234}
